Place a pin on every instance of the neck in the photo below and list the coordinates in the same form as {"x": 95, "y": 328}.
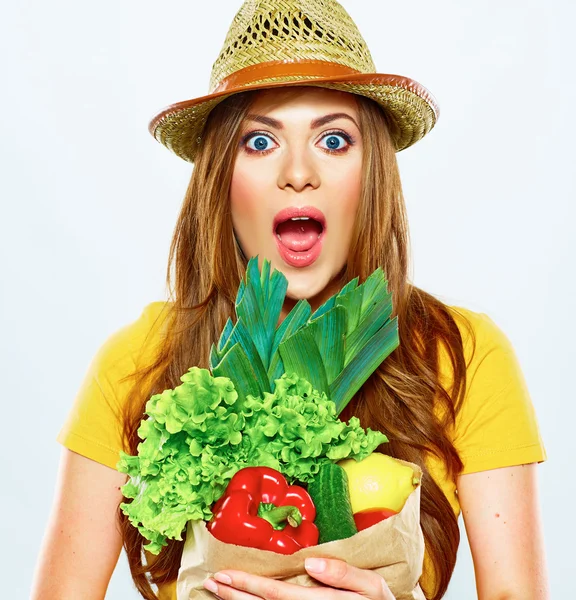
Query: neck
{"x": 315, "y": 301}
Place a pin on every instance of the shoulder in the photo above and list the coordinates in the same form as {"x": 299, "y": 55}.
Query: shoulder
{"x": 93, "y": 427}
{"x": 149, "y": 321}
{"x": 488, "y": 353}
{"x": 495, "y": 382}
{"x": 480, "y": 333}
{"x": 137, "y": 338}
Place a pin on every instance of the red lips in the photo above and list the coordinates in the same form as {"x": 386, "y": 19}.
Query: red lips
{"x": 311, "y": 248}
{"x": 293, "y": 212}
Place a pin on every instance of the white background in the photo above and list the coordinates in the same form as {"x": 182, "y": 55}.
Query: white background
{"x": 89, "y": 202}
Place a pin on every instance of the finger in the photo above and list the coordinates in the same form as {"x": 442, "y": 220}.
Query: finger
{"x": 339, "y": 574}
{"x": 225, "y": 592}
{"x": 254, "y": 586}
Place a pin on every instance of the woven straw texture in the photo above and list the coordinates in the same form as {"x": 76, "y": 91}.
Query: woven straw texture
{"x": 265, "y": 30}
{"x": 298, "y": 30}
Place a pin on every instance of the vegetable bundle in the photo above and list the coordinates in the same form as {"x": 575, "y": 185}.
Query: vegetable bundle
{"x": 270, "y": 400}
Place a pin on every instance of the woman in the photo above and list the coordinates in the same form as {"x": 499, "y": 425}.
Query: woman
{"x": 317, "y": 132}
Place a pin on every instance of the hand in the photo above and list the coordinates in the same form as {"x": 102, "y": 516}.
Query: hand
{"x": 351, "y": 583}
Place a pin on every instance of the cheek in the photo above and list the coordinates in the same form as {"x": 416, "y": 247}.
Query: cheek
{"x": 240, "y": 187}
{"x": 248, "y": 193}
{"x": 348, "y": 188}
{"x": 352, "y": 187}
{"x": 242, "y": 200}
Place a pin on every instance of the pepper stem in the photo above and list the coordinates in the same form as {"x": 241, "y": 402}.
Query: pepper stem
{"x": 279, "y": 516}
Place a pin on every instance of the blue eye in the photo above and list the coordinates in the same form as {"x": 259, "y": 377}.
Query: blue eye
{"x": 334, "y": 141}
{"x": 258, "y": 143}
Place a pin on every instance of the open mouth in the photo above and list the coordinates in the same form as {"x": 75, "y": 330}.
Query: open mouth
{"x": 299, "y": 233}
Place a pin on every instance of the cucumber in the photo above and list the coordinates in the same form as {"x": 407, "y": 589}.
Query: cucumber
{"x": 329, "y": 492}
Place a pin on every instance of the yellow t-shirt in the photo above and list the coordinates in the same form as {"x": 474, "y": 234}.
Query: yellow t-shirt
{"x": 496, "y": 426}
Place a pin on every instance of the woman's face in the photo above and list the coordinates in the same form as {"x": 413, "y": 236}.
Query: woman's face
{"x": 296, "y": 185}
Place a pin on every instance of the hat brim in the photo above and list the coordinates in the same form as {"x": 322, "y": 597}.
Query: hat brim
{"x": 412, "y": 109}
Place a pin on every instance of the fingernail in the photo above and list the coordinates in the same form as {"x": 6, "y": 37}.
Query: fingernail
{"x": 222, "y": 578}
{"x": 210, "y": 586}
{"x": 315, "y": 565}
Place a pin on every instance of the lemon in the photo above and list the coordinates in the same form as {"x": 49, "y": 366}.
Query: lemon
{"x": 378, "y": 481}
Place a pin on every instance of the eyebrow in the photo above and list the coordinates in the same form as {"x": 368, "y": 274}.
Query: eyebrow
{"x": 329, "y": 118}
{"x": 313, "y": 125}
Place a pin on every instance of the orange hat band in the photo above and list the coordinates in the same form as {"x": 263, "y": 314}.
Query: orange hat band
{"x": 280, "y": 68}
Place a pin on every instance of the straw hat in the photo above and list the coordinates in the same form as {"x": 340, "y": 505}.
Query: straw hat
{"x": 293, "y": 43}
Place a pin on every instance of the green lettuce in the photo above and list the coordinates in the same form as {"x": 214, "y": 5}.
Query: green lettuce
{"x": 198, "y": 435}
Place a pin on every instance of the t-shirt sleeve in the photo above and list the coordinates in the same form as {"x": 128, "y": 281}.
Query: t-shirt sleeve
{"x": 497, "y": 425}
{"x": 93, "y": 427}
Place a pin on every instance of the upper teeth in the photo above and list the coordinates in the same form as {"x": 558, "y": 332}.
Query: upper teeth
{"x": 296, "y": 219}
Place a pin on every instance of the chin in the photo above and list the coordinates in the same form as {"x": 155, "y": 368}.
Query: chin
{"x": 306, "y": 285}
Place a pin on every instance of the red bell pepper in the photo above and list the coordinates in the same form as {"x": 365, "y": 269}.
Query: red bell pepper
{"x": 260, "y": 510}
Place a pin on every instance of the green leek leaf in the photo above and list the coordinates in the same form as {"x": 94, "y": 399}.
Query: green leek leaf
{"x": 375, "y": 287}
{"x": 329, "y": 332}
{"x": 274, "y": 302}
{"x": 349, "y": 287}
{"x": 370, "y": 324}
{"x": 382, "y": 344}
{"x": 324, "y": 308}
{"x": 301, "y": 356}
{"x": 295, "y": 319}
{"x": 240, "y": 335}
{"x": 265, "y": 278}
{"x": 251, "y": 312}
{"x": 215, "y": 357}
{"x": 352, "y": 302}
{"x": 236, "y": 366}
{"x": 225, "y": 335}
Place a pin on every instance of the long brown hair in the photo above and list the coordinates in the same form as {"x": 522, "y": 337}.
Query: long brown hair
{"x": 401, "y": 397}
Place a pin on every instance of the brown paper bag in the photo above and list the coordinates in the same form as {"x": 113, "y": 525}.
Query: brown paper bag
{"x": 394, "y": 548}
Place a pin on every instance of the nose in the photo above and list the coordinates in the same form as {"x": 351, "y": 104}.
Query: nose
{"x": 298, "y": 171}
